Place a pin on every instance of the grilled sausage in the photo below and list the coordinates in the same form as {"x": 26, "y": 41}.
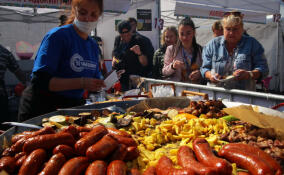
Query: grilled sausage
{"x": 150, "y": 171}
{"x": 66, "y": 150}
{"x": 83, "y": 129}
{"x": 131, "y": 153}
{"x": 18, "y": 146}
{"x": 98, "y": 167}
{"x": 48, "y": 141}
{"x": 165, "y": 166}
{"x": 186, "y": 159}
{"x": 71, "y": 130}
{"x": 119, "y": 153}
{"x": 20, "y": 161}
{"x": 205, "y": 156}
{"x": 134, "y": 171}
{"x": 91, "y": 138}
{"x": 102, "y": 148}
{"x": 8, "y": 152}
{"x": 19, "y": 155}
{"x": 243, "y": 173}
{"x": 113, "y": 131}
{"x": 117, "y": 167}
{"x": 82, "y": 134}
{"x": 8, "y": 164}
{"x": 29, "y": 134}
{"x": 246, "y": 160}
{"x": 18, "y": 136}
{"x": 74, "y": 166}
{"x": 54, "y": 165}
{"x": 263, "y": 155}
{"x": 33, "y": 162}
{"x": 124, "y": 140}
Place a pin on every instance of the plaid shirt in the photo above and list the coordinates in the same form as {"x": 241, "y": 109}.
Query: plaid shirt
{"x": 7, "y": 60}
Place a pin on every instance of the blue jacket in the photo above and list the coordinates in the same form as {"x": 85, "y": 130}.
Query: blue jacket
{"x": 248, "y": 55}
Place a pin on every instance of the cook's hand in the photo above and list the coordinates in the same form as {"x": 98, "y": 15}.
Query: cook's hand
{"x": 214, "y": 78}
{"x": 178, "y": 64}
{"x": 241, "y": 74}
{"x": 120, "y": 72}
{"x": 195, "y": 75}
{"x": 136, "y": 50}
{"x": 114, "y": 61}
{"x": 93, "y": 84}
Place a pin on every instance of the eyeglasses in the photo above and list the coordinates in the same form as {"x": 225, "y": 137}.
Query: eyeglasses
{"x": 232, "y": 13}
{"x": 124, "y": 32}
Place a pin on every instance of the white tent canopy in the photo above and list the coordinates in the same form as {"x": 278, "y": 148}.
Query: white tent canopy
{"x": 254, "y": 11}
{"x": 117, "y": 6}
{"x": 47, "y": 11}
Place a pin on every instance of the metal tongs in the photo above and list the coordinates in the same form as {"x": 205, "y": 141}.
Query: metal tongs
{"x": 22, "y": 125}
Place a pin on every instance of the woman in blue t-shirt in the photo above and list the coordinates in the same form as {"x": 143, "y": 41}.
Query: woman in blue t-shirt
{"x": 67, "y": 63}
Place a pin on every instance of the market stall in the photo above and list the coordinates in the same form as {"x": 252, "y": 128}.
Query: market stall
{"x": 151, "y": 134}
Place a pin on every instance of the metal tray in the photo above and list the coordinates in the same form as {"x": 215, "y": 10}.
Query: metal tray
{"x": 6, "y": 136}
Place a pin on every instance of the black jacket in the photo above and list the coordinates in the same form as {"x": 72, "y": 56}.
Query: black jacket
{"x": 129, "y": 61}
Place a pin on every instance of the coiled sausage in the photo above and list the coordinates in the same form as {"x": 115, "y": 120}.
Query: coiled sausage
{"x": 48, "y": 141}
{"x": 186, "y": 159}
{"x": 205, "y": 155}
{"x": 98, "y": 167}
{"x": 102, "y": 148}
{"x": 91, "y": 138}
{"x": 54, "y": 165}
{"x": 117, "y": 167}
{"x": 33, "y": 162}
{"x": 74, "y": 166}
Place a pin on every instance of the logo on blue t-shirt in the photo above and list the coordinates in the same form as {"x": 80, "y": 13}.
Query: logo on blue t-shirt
{"x": 78, "y": 64}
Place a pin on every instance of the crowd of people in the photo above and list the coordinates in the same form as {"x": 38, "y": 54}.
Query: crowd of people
{"x": 232, "y": 59}
{"x": 67, "y": 62}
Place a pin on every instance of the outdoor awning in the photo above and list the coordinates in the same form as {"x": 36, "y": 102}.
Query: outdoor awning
{"x": 115, "y": 6}
{"x": 254, "y": 11}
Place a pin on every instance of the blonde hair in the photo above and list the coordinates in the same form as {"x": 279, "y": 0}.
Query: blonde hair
{"x": 170, "y": 28}
{"x": 217, "y": 25}
{"x": 232, "y": 20}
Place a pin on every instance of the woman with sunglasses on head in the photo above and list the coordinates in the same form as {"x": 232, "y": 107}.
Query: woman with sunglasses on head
{"x": 234, "y": 60}
{"x": 169, "y": 37}
{"x": 66, "y": 64}
{"x": 183, "y": 60}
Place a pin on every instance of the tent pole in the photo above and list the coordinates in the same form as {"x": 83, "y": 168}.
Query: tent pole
{"x": 279, "y": 84}
{"x": 159, "y": 16}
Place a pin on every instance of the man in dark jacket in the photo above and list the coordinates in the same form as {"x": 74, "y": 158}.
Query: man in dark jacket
{"x": 7, "y": 61}
{"x": 132, "y": 53}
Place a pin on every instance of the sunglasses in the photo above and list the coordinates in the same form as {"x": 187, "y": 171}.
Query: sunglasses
{"x": 124, "y": 32}
{"x": 232, "y": 13}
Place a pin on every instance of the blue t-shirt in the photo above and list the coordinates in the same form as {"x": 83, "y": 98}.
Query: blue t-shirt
{"x": 64, "y": 54}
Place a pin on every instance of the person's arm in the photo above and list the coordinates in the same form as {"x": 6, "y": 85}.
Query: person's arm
{"x": 21, "y": 75}
{"x": 14, "y": 67}
{"x": 168, "y": 68}
{"x": 155, "y": 72}
{"x": 45, "y": 81}
{"x": 147, "y": 51}
{"x": 62, "y": 84}
{"x": 260, "y": 67}
{"x": 206, "y": 62}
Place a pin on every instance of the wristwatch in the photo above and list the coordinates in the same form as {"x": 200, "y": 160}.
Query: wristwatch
{"x": 250, "y": 74}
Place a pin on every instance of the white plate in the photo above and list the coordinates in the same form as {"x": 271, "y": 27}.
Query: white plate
{"x": 227, "y": 79}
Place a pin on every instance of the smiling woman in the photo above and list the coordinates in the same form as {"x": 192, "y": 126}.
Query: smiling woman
{"x": 66, "y": 63}
{"x": 234, "y": 54}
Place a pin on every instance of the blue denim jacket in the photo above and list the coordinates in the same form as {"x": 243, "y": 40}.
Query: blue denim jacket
{"x": 249, "y": 55}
